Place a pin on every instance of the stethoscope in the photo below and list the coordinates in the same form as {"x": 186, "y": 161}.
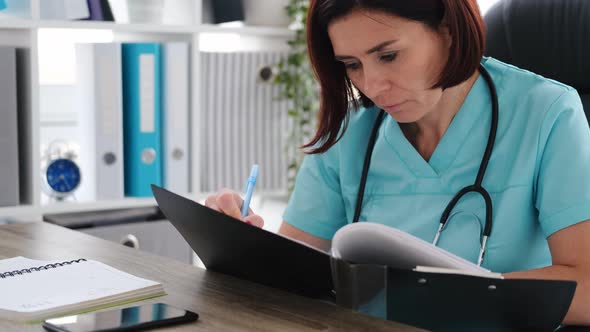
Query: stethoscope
{"x": 475, "y": 187}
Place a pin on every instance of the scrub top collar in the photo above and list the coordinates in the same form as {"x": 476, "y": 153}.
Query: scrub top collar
{"x": 477, "y": 104}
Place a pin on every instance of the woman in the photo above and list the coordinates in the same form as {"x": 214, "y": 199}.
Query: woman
{"x": 421, "y": 63}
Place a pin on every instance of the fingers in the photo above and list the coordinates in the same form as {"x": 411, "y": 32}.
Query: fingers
{"x": 214, "y": 201}
{"x": 254, "y": 220}
{"x": 211, "y": 202}
{"x": 230, "y": 203}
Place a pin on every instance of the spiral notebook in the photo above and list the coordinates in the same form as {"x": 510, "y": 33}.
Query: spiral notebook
{"x": 32, "y": 290}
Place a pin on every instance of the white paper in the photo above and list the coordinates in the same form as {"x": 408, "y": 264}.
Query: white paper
{"x": 372, "y": 243}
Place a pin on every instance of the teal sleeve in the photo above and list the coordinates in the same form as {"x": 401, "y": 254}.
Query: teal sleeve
{"x": 316, "y": 205}
{"x": 563, "y": 159}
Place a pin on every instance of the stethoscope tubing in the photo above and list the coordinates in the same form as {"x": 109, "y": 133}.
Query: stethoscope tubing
{"x": 476, "y": 187}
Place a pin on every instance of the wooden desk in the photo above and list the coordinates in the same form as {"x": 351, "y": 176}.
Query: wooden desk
{"x": 224, "y": 303}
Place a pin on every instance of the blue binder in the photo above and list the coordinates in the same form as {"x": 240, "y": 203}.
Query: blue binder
{"x": 2, "y": 4}
{"x": 142, "y": 118}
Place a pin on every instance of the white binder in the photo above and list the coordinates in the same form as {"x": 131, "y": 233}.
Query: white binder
{"x": 108, "y": 118}
{"x": 9, "y": 171}
{"x": 64, "y": 9}
{"x": 176, "y": 101}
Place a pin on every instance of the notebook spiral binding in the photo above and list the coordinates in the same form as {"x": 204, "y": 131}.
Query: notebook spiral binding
{"x": 39, "y": 268}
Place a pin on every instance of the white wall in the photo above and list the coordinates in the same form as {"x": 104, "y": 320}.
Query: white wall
{"x": 485, "y": 5}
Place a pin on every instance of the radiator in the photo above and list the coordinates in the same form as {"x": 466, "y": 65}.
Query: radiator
{"x": 242, "y": 122}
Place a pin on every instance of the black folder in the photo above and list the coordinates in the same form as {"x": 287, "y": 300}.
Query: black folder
{"x": 232, "y": 247}
{"x": 454, "y": 302}
{"x": 433, "y": 301}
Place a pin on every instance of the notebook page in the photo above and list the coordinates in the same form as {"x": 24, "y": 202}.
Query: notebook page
{"x": 19, "y": 263}
{"x": 69, "y": 284}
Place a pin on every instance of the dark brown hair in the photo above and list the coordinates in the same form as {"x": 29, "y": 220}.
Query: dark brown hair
{"x": 461, "y": 17}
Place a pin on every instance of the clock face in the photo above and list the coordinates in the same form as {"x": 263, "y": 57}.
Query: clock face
{"x": 63, "y": 175}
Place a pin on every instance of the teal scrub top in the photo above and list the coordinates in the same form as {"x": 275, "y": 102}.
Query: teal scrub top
{"x": 538, "y": 175}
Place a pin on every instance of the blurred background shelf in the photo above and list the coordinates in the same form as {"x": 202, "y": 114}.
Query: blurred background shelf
{"x": 283, "y": 32}
{"x": 31, "y": 212}
{"x": 15, "y": 23}
{"x": 52, "y": 72}
{"x": 123, "y": 27}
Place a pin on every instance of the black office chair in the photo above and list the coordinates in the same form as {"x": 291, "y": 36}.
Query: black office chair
{"x": 548, "y": 37}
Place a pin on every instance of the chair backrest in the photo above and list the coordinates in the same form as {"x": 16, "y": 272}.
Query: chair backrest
{"x": 548, "y": 37}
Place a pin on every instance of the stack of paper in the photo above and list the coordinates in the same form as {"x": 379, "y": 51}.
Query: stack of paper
{"x": 372, "y": 243}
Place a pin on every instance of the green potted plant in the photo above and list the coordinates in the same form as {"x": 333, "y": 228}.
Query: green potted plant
{"x": 299, "y": 88}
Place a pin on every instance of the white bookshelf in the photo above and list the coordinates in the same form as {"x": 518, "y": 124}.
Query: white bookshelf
{"x": 29, "y": 24}
{"x": 24, "y": 31}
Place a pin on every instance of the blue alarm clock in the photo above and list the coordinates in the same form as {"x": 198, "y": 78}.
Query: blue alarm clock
{"x": 61, "y": 174}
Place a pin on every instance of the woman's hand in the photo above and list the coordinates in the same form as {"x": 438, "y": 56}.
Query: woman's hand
{"x": 229, "y": 202}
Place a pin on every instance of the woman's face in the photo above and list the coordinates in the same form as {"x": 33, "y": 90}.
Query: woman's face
{"x": 391, "y": 60}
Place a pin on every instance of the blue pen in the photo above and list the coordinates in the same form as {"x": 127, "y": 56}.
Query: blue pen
{"x": 249, "y": 189}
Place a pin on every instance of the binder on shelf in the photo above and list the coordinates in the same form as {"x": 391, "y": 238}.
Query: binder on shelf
{"x": 176, "y": 71}
{"x": 95, "y": 9}
{"x": 9, "y": 142}
{"x": 439, "y": 299}
{"x": 64, "y": 9}
{"x": 227, "y": 10}
{"x": 143, "y": 163}
{"x": 108, "y": 120}
{"x": 25, "y": 113}
{"x": 107, "y": 13}
{"x": 14, "y": 8}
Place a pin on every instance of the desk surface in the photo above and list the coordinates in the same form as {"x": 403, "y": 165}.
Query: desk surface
{"x": 224, "y": 303}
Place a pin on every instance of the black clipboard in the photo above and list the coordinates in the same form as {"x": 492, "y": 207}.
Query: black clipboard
{"x": 232, "y": 247}
{"x": 433, "y": 301}
{"x": 453, "y": 302}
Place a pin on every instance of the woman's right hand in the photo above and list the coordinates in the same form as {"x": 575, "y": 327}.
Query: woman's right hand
{"x": 230, "y": 202}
